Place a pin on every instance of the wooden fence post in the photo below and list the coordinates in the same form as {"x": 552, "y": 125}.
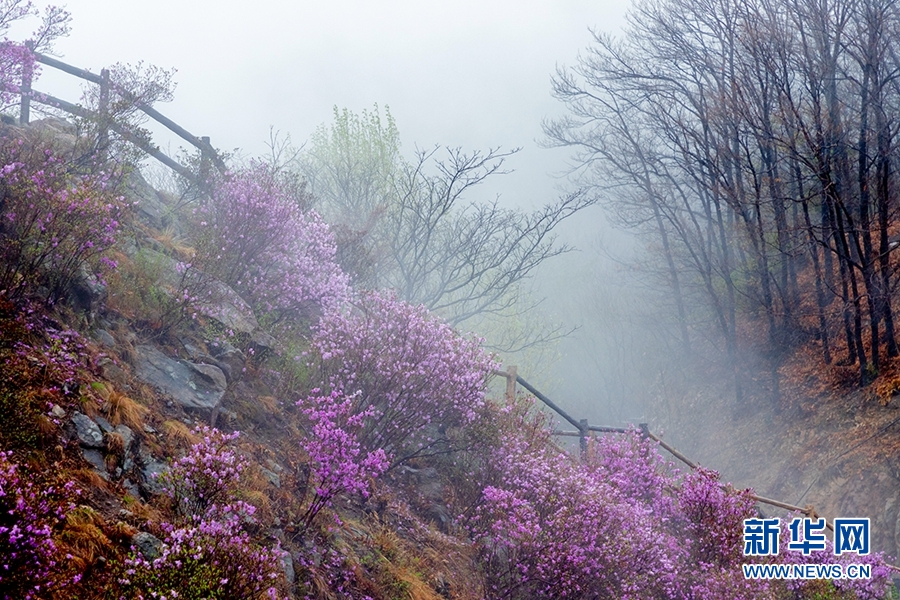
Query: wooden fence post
{"x": 204, "y": 164}
{"x": 25, "y": 90}
{"x": 583, "y": 432}
{"x": 103, "y": 124}
{"x": 511, "y": 373}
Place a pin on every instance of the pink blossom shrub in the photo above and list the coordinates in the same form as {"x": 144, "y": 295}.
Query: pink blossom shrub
{"x": 552, "y": 529}
{"x": 208, "y": 478}
{"x": 411, "y": 375}
{"x": 713, "y": 517}
{"x": 28, "y": 515}
{"x": 210, "y": 554}
{"x": 210, "y": 559}
{"x": 16, "y": 59}
{"x": 254, "y": 237}
{"x": 338, "y": 464}
{"x": 623, "y": 524}
{"x": 52, "y": 223}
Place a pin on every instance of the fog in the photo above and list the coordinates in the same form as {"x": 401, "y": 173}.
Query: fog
{"x": 460, "y": 74}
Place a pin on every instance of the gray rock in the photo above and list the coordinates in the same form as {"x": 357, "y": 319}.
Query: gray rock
{"x": 58, "y": 411}
{"x": 95, "y": 457}
{"x": 105, "y": 338}
{"x": 191, "y": 385}
{"x": 112, "y": 372}
{"x": 440, "y": 515}
{"x": 195, "y": 353}
{"x": 105, "y": 425}
{"x": 228, "y": 356}
{"x": 287, "y": 563}
{"x": 132, "y": 489}
{"x": 86, "y": 290}
{"x": 150, "y": 207}
{"x": 229, "y": 309}
{"x": 273, "y": 478}
{"x": 151, "y": 472}
{"x": 127, "y": 435}
{"x": 199, "y": 356}
{"x": 88, "y": 433}
{"x": 211, "y": 374}
{"x": 264, "y": 341}
{"x": 60, "y": 135}
{"x": 147, "y": 544}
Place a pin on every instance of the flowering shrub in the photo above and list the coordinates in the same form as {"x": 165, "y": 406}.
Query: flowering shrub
{"x": 208, "y": 478}
{"x": 27, "y": 518}
{"x": 633, "y": 464}
{"x": 207, "y": 560}
{"x": 324, "y": 563}
{"x": 411, "y": 375}
{"x": 52, "y": 222}
{"x": 622, "y": 524}
{"x": 553, "y": 529}
{"x": 337, "y": 463}
{"x": 714, "y": 517}
{"x": 41, "y": 364}
{"x": 254, "y": 238}
{"x": 210, "y": 555}
{"x": 15, "y": 58}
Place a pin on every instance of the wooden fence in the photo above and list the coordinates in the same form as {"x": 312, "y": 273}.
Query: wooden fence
{"x": 583, "y": 431}
{"x": 208, "y": 154}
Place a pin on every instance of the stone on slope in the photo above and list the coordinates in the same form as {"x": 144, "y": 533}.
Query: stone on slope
{"x": 191, "y": 385}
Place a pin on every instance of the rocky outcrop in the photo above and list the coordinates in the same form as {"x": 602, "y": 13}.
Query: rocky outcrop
{"x": 88, "y": 432}
{"x": 193, "y": 386}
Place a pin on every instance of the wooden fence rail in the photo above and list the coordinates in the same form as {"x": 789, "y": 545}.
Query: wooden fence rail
{"x": 584, "y": 430}
{"x": 208, "y": 154}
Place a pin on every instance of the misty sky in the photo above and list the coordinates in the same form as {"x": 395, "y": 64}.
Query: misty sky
{"x": 462, "y": 73}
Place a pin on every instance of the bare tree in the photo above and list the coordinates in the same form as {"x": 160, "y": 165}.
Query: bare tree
{"x": 753, "y": 139}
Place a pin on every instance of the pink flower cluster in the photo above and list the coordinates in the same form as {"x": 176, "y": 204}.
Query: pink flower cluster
{"x": 411, "y": 375}
{"x": 338, "y": 464}
{"x": 551, "y": 528}
{"x": 15, "y": 61}
{"x": 207, "y": 479}
{"x": 28, "y": 515}
{"x": 622, "y": 523}
{"x": 52, "y": 222}
{"x": 58, "y": 358}
{"x": 212, "y": 558}
{"x": 210, "y": 555}
{"x": 254, "y": 238}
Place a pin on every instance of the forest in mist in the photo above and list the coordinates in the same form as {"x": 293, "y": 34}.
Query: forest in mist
{"x": 753, "y": 146}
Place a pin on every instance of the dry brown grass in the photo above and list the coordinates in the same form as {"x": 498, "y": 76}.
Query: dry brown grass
{"x": 257, "y": 409}
{"x": 178, "y": 434}
{"x": 175, "y": 245}
{"x": 90, "y": 478}
{"x": 141, "y": 514}
{"x": 83, "y": 535}
{"x": 115, "y": 448}
{"x": 115, "y": 444}
{"x": 122, "y": 409}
